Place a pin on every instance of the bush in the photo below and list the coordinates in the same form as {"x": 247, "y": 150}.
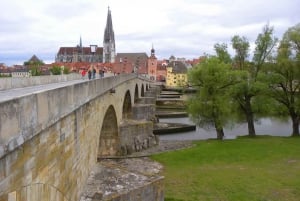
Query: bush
{"x": 55, "y": 70}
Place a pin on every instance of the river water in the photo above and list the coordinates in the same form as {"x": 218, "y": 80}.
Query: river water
{"x": 265, "y": 126}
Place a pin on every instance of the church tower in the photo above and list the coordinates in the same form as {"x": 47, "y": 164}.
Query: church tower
{"x": 152, "y": 65}
{"x": 109, "y": 49}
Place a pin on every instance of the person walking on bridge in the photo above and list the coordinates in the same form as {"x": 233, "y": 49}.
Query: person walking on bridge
{"x": 94, "y": 72}
{"x": 83, "y": 72}
{"x": 90, "y": 74}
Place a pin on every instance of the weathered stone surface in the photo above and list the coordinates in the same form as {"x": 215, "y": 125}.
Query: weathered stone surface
{"x": 136, "y": 135}
{"x": 137, "y": 179}
{"x": 59, "y": 149}
{"x": 9, "y": 83}
{"x": 144, "y": 112}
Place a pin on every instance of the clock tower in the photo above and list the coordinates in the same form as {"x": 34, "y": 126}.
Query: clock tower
{"x": 152, "y": 65}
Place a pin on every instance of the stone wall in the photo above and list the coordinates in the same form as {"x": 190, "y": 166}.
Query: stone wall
{"x": 136, "y": 136}
{"x": 60, "y": 157}
{"x": 19, "y": 82}
{"x": 51, "y": 139}
{"x": 134, "y": 179}
{"x": 24, "y": 117}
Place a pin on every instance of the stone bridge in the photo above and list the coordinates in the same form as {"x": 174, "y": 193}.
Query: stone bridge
{"x": 52, "y": 136}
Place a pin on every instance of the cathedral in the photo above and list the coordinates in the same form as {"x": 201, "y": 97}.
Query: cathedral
{"x": 93, "y": 53}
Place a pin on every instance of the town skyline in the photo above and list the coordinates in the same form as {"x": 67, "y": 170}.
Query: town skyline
{"x": 180, "y": 28}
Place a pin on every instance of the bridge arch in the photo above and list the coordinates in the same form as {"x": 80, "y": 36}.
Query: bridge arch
{"x": 136, "y": 94}
{"x": 127, "y": 106}
{"x": 142, "y": 91}
{"x": 109, "y": 136}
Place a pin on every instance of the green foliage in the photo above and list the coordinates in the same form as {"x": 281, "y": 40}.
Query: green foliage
{"x": 56, "y": 70}
{"x": 264, "y": 168}
{"x": 210, "y": 107}
{"x": 253, "y": 86}
{"x": 66, "y": 70}
{"x": 34, "y": 67}
{"x": 264, "y": 87}
{"x": 284, "y": 76}
{"x": 222, "y": 53}
{"x": 265, "y": 44}
{"x": 241, "y": 46}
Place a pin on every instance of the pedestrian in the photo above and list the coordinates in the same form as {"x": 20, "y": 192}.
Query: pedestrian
{"x": 83, "y": 72}
{"x": 94, "y": 73}
{"x": 90, "y": 74}
{"x": 100, "y": 72}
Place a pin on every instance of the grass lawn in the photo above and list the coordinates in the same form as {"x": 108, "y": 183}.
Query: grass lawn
{"x": 246, "y": 169}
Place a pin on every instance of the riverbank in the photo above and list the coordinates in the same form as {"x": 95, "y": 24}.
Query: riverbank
{"x": 261, "y": 168}
{"x": 165, "y": 146}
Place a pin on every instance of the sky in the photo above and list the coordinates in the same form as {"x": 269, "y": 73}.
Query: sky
{"x": 182, "y": 28}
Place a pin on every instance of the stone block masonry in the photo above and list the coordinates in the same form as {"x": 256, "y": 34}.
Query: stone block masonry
{"x": 137, "y": 179}
{"x": 136, "y": 136}
{"x": 19, "y": 82}
{"x": 49, "y": 140}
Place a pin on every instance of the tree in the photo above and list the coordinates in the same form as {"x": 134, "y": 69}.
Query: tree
{"x": 254, "y": 84}
{"x": 241, "y": 47}
{"x": 265, "y": 44}
{"x": 285, "y": 74}
{"x": 222, "y": 53}
{"x": 34, "y": 66}
{"x": 210, "y": 107}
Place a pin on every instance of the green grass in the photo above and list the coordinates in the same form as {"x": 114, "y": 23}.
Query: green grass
{"x": 246, "y": 169}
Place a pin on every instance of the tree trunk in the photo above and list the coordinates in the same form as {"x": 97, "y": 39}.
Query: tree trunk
{"x": 218, "y": 127}
{"x": 220, "y": 133}
{"x": 295, "y": 120}
{"x": 250, "y": 118}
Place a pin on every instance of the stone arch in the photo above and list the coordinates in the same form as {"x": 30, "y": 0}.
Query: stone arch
{"x": 142, "y": 91}
{"x": 109, "y": 142}
{"x": 136, "y": 94}
{"x": 127, "y": 106}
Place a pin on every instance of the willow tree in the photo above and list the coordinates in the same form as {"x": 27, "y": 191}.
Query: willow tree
{"x": 285, "y": 76}
{"x": 210, "y": 106}
{"x": 222, "y": 52}
{"x": 254, "y": 84}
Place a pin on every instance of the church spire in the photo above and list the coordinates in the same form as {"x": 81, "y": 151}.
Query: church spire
{"x": 80, "y": 42}
{"x": 109, "y": 40}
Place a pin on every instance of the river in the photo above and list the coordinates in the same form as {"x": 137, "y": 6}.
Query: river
{"x": 265, "y": 126}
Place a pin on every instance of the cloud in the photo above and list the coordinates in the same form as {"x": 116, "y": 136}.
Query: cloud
{"x": 183, "y": 28}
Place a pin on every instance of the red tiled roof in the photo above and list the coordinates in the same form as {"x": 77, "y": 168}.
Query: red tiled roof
{"x": 72, "y": 50}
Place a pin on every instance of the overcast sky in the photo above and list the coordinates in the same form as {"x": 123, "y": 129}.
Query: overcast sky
{"x": 183, "y": 28}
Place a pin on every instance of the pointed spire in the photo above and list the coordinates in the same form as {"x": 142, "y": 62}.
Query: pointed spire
{"x": 109, "y": 47}
{"x": 152, "y": 51}
{"x": 80, "y": 42}
{"x": 109, "y": 35}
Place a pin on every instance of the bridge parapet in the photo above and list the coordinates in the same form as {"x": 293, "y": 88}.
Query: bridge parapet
{"x": 19, "y": 82}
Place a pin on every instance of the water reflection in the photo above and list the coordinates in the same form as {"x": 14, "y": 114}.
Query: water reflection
{"x": 265, "y": 126}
